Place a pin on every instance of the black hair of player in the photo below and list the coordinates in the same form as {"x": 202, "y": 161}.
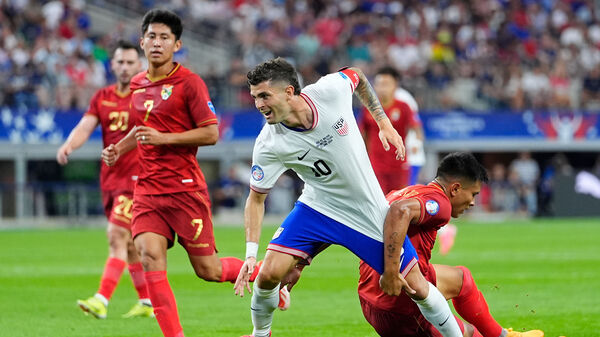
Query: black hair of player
{"x": 125, "y": 45}
{"x": 166, "y": 17}
{"x": 275, "y": 70}
{"x": 462, "y": 165}
{"x": 391, "y": 71}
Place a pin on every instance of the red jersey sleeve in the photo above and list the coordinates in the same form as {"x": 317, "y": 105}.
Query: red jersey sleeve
{"x": 435, "y": 210}
{"x": 200, "y": 107}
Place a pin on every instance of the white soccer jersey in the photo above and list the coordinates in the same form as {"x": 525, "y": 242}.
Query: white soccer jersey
{"x": 330, "y": 158}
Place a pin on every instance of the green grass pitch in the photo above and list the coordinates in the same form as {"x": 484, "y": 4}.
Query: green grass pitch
{"x": 541, "y": 274}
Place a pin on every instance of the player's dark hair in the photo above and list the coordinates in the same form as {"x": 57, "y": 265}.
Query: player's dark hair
{"x": 165, "y": 17}
{"x": 124, "y": 44}
{"x": 391, "y": 71}
{"x": 275, "y": 70}
{"x": 462, "y": 165}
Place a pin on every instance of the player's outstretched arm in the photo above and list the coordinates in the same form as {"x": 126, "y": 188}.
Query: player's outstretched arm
{"x": 204, "y": 135}
{"x": 399, "y": 217}
{"x": 78, "y": 136}
{"x": 111, "y": 153}
{"x": 253, "y": 217}
{"x": 367, "y": 96}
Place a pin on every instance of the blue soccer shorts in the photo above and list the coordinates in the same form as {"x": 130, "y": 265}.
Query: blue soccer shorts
{"x": 304, "y": 231}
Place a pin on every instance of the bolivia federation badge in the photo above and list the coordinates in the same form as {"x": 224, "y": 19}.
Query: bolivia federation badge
{"x": 167, "y": 90}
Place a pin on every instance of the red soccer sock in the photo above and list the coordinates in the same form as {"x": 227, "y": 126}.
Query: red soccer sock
{"x": 472, "y": 307}
{"x": 163, "y": 302}
{"x": 230, "y": 268}
{"x": 139, "y": 282}
{"x": 110, "y": 277}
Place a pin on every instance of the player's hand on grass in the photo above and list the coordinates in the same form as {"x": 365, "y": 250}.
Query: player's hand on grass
{"x": 388, "y": 135}
{"x": 110, "y": 155}
{"x": 149, "y": 136}
{"x": 393, "y": 283}
{"x": 243, "y": 279}
{"x": 62, "y": 155}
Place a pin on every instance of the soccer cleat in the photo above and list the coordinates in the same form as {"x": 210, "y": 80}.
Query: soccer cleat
{"x": 139, "y": 310}
{"x": 93, "y": 306}
{"x": 253, "y": 335}
{"x": 530, "y": 333}
{"x": 284, "y": 299}
{"x": 447, "y": 236}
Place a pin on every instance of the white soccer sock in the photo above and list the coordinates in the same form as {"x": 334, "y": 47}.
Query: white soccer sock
{"x": 102, "y": 299}
{"x": 436, "y": 310}
{"x": 263, "y": 304}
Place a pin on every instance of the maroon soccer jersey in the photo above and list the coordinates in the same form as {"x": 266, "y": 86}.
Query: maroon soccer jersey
{"x": 112, "y": 110}
{"x": 436, "y": 211}
{"x": 175, "y": 103}
{"x": 402, "y": 118}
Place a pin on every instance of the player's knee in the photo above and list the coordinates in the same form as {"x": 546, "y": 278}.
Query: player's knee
{"x": 152, "y": 260}
{"x": 208, "y": 273}
{"x": 268, "y": 277}
{"x": 467, "y": 281}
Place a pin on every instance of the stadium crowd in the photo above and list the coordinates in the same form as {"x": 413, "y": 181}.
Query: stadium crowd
{"x": 473, "y": 55}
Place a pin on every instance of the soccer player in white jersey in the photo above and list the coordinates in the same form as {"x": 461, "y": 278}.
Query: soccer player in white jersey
{"x": 314, "y": 133}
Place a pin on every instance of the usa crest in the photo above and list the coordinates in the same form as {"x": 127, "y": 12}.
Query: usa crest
{"x": 167, "y": 90}
{"x": 341, "y": 127}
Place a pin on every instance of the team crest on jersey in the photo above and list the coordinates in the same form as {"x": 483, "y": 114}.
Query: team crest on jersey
{"x": 211, "y": 107}
{"x": 432, "y": 207}
{"x": 167, "y": 90}
{"x": 277, "y": 233}
{"x": 341, "y": 126}
{"x": 257, "y": 173}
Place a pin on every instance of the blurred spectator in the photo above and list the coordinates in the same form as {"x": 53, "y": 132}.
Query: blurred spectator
{"x": 503, "y": 192}
{"x": 527, "y": 172}
{"x": 230, "y": 191}
{"x": 590, "y": 95}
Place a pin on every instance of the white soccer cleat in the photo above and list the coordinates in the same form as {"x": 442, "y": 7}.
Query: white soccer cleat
{"x": 284, "y": 299}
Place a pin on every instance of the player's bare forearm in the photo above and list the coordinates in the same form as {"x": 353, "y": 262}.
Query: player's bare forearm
{"x": 127, "y": 143}
{"x": 253, "y": 215}
{"x": 367, "y": 96}
{"x": 82, "y": 132}
{"x": 202, "y": 136}
{"x": 395, "y": 227}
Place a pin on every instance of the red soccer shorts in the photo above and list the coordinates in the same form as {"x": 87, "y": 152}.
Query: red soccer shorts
{"x": 393, "y": 180}
{"x": 117, "y": 207}
{"x": 391, "y": 324}
{"x": 186, "y": 214}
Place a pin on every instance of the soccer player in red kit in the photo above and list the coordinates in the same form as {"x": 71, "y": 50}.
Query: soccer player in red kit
{"x": 109, "y": 108}
{"x": 427, "y": 208}
{"x": 171, "y": 197}
{"x": 391, "y": 173}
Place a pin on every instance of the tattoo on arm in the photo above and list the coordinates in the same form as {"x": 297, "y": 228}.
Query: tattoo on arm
{"x": 391, "y": 249}
{"x": 367, "y": 96}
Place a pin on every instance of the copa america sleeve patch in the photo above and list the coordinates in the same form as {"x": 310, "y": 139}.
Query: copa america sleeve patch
{"x": 432, "y": 207}
{"x": 257, "y": 173}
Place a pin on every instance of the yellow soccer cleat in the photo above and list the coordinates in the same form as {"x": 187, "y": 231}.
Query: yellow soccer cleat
{"x": 140, "y": 310}
{"x": 530, "y": 333}
{"x": 93, "y": 306}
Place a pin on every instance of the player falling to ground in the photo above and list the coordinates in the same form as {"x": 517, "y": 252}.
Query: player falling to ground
{"x": 426, "y": 209}
{"x": 171, "y": 197}
{"x": 110, "y": 109}
{"x": 314, "y": 133}
{"x": 391, "y": 173}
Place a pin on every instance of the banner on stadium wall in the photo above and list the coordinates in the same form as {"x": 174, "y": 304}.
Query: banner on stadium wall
{"x": 563, "y": 126}
{"x": 51, "y": 126}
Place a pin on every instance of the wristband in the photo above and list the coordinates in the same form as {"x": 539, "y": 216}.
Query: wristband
{"x": 251, "y": 249}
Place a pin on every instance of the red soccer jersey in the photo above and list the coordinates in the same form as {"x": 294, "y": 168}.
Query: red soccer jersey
{"x": 112, "y": 110}
{"x": 403, "y": 119}
{"x": 176, "y": 103}
{"x": 435, "y": 213}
